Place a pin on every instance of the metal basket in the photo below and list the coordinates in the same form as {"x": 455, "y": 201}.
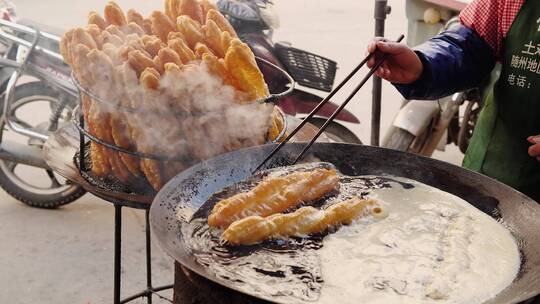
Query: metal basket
{"x": 306, "y": 68}
{"x": 82, "y": 158}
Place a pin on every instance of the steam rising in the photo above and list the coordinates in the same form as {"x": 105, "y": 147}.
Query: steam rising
{"x": 191, "y": 114}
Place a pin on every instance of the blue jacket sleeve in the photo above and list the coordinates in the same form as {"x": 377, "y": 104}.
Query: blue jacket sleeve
{"x": 455, "y": 60}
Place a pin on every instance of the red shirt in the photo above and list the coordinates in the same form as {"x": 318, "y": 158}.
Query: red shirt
{"x": 492, "y": 20}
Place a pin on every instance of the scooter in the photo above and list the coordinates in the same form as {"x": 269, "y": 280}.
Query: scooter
{"x": 255, "y": 22}
{"x": 425, "y": 126}
{"x": 37, "y": 96}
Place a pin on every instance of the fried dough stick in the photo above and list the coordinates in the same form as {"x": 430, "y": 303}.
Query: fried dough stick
{"x": 162, "y": 25}
{"x": 75, "y": 47}
{"x": 103, "y": 72}
{"x": 121, "y": 130}
{"x": 136, "y": 17}
{"x": 241, "y": 64}
{"x": 157, "y": 173}
{"x": 302, "y": 222}
{"x": 149, "y": 80}
{"x": 221, "y": 22}
{"x": 190, "y": 29}
{"x": 274, "y": 195}
{"x": 191, "y": 8}
{"x": 100, "y": 164}
{"x": 206, "y": 6}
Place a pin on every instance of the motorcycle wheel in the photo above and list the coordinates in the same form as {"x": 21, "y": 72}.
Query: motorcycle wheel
{"x": 466, "y": 130}
{"x": 14, "y": 177}
{"x": 336, "y": 132}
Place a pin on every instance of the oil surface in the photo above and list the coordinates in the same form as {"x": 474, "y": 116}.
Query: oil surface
{"x": 360, "y": 263}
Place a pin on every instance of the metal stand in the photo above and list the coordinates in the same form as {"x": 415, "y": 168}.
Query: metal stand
{"x": 150, "y": 290}
{"x": 381, "y": 10}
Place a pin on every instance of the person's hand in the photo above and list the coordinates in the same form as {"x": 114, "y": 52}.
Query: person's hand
{"x": 403, "y": 66}
{"x": 534, "y": 150}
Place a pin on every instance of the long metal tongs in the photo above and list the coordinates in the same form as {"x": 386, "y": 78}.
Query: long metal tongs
{"x": 324, "y": 101}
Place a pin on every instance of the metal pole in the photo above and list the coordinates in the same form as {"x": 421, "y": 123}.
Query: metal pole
{"x": 148, "y": 257}
{"x": 381, "y": 10}
{"x": 117, "y": 251}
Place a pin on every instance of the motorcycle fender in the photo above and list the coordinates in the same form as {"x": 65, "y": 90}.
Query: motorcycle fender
{"x": 416, "y": 115}
{"x": 444, "y": 141}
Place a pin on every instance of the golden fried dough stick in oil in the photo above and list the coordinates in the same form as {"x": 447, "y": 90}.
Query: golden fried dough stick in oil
{"x": 185, "y": 54}
{"x": 191, "y": 30}
{"x": 221, "y": 22}
{"x": 171, "y": 8}
{"x": 162, "y": 25}
{"x": 192, "y": 9}
{"x": 201, "y": 49}
{"x": 241, "y": 64}
{"x": 206, "y": 6}
{"x": 212, "y": 38}
{"x": 302, "y": 222}
{"x": 166, "y": 55}
{"x": 114, "y": 14}
{"x": 95, "y": 18}
{"x": 274, "y": 195}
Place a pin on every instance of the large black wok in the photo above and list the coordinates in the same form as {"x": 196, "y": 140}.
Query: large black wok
{"x": 190, "y": 189}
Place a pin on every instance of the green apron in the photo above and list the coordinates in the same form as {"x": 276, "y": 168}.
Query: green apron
{"x": 511, "y": 114}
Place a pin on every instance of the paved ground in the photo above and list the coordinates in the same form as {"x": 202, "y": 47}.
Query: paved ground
{"x": 65, "y": 255}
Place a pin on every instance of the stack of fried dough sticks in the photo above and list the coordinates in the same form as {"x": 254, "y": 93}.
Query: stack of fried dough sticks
{"x": 138, "y": 63}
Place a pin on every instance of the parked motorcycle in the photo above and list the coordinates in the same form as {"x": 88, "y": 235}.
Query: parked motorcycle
{"x": 36, "y": 97}
{"x": 425, "y": 126}
{"x": 255, "y": 22}
{"x": 35, "y": 81}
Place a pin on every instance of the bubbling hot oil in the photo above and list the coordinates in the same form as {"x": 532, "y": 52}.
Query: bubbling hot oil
{"x": 433, "y": 248}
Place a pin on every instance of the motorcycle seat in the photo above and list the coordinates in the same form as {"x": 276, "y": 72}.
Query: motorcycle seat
{"x": 239, "y": 9}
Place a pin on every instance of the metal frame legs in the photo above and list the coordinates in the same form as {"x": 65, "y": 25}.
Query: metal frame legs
{"x": 150, "y": 290}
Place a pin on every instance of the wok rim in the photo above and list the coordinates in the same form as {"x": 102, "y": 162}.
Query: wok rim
{"x": 206, "y": 274}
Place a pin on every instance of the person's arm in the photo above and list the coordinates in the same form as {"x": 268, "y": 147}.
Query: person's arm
{"x": 450, "y": 62}
{"x": 453, "y": 61}
{"x": 457, "y": 59}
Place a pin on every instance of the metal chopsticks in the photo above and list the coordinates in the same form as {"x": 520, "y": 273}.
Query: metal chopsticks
{"x": 324, "y": 101}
